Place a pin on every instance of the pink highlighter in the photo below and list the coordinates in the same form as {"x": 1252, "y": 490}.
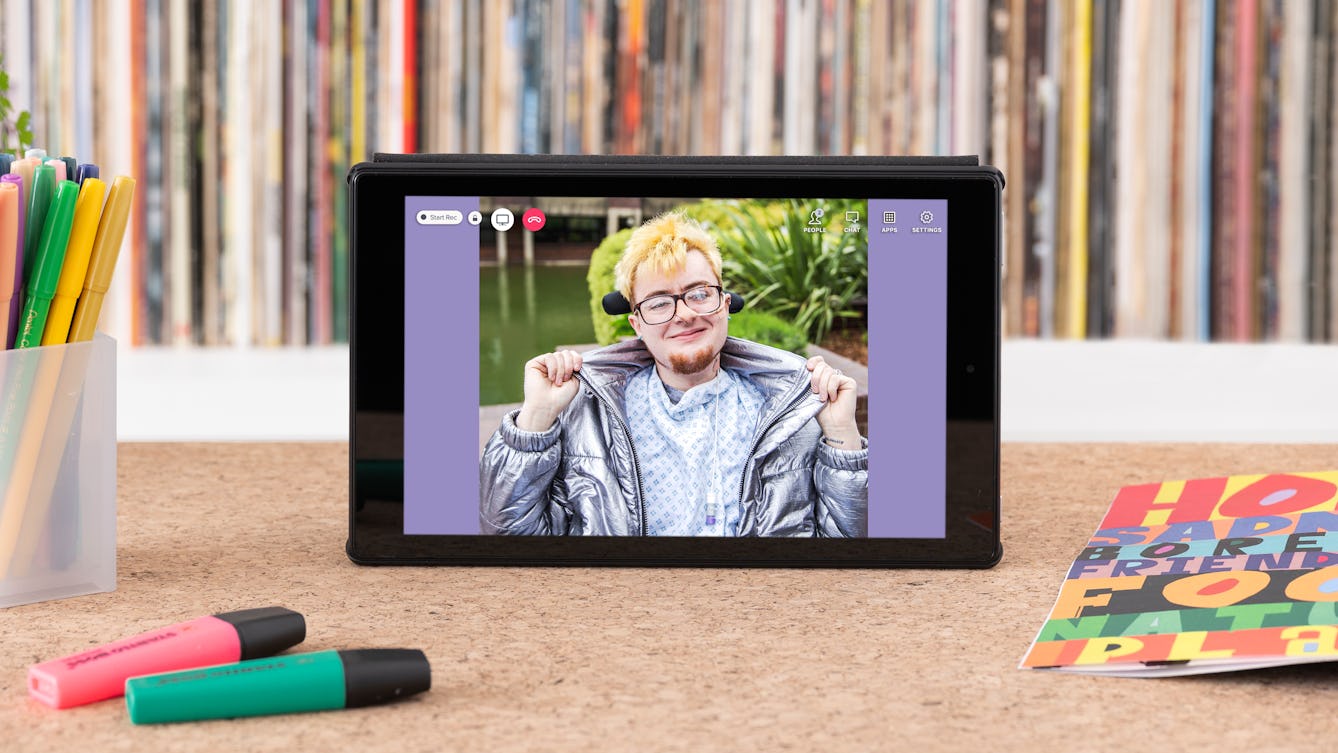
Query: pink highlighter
{"x": 100, "y": 673}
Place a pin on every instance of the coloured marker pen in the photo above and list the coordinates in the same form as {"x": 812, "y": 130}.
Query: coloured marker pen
{"x": 24, "y": 169}
{"x": 101, "y": 673}
{"x": 60, "y": 167}
{"x": 102, "y": 260}
{"x": 83, "y": 231}
{"x": 85, "y": 170}
{"x": 43, "y": 182}
{"x": 10, "y": 210}
{"x": 46, "y": 263}
{"x": 16, "y": 297}
{"x": 280, "y": 685}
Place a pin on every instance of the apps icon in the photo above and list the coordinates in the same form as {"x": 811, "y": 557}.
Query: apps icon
{"x": 502, "y": 219}
{"x": 475, "y": 217}
{"x": 533, "y": 219}
{"x": 889, "y": 218}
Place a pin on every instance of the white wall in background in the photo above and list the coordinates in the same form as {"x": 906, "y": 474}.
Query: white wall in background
{"x": 1065, "y": 391}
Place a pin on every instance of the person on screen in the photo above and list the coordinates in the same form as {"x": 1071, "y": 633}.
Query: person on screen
{"x": 683, "y": 431}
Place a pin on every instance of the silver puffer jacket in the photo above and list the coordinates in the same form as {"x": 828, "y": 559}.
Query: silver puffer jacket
{"x": 582, "y": 476}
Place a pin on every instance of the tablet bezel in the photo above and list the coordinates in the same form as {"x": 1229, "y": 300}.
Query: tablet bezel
{"x": 376, "y": 390}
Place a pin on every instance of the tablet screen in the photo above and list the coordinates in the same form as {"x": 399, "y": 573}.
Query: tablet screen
{"x": 683, "y": 417}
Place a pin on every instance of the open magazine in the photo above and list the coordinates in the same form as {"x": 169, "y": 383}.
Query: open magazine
{"x": 1208, "y": 575}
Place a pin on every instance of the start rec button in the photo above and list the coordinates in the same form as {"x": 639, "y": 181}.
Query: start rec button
{"x": 440, "y": 217}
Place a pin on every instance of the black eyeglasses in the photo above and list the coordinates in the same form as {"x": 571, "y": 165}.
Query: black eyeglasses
{"x": 658, "y": 309}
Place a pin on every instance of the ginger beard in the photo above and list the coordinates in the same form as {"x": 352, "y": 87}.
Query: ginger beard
{"x": 692, "y": 363}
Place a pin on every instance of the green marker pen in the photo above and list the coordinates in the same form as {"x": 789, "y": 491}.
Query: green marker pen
{"x": 49, "y": 258}
{"x": 279, "y": 685}
{"x": 39, "y": 204}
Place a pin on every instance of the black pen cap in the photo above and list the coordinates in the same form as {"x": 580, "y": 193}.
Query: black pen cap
{"x": 266, "y": 631}
{"x": 378, "y": 675}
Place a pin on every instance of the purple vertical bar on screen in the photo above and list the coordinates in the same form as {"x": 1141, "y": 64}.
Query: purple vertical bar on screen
{"x": 441, "y": 370}
{"x": 908, "y": 353}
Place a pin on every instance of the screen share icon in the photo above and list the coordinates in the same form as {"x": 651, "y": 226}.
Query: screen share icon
{"x": 502, "y": 219}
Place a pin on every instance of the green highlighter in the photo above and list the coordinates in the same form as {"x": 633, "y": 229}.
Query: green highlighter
{"x": 48, "y": 259}
{"x": 283, "y": 684}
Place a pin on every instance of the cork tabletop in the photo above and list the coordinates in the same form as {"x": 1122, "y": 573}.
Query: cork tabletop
{"x": 653, "y": 659}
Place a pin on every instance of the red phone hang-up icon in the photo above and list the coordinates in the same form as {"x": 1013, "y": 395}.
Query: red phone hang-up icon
{"x": 534, "y": 219}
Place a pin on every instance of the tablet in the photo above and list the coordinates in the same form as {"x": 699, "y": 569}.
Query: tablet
{"x": 674, "y": 361}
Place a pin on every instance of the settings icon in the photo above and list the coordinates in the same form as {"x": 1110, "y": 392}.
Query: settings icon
{"x": 926, "y": 217}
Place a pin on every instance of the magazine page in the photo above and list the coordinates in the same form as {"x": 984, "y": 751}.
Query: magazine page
{"x": 1208, "y": 575}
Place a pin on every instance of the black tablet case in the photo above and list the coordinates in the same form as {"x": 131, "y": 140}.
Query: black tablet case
{"x": 410, "y": 162}
{"x": 623, "y": 160}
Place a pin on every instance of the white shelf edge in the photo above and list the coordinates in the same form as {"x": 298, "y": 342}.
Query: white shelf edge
{"x": 1051, "y": 391}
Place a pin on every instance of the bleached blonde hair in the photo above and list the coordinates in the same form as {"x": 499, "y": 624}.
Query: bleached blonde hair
{"x": 663, "y": 242}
